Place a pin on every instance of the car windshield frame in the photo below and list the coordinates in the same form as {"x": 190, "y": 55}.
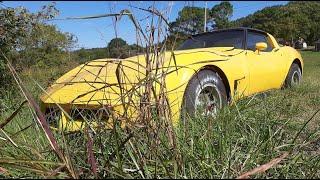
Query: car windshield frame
{"x": 188, "y": 44}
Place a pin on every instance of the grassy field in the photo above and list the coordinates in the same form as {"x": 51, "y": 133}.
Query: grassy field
{"x": 250, "y": 133}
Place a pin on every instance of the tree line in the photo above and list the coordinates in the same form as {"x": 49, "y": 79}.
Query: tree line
{"x": 291, "y": 21}
{"x": 28, "y": 41}
{"x": 116, "y": 48}
{"x": 288, "y": 22}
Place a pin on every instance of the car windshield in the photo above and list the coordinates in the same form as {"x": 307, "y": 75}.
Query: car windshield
{"x": 232, "y": 38}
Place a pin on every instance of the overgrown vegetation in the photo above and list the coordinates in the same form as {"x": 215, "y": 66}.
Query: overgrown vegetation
{"x": 251, "y": 132}
{"x": 244, "y": 136}
{"x": 30, "y": 43}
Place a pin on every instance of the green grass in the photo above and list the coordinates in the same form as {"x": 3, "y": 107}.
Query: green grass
{"x": 245, "y": 135}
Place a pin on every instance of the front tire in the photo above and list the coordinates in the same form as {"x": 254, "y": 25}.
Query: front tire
{"x": 204, "y": 95}
{"x": 294, "y": 76}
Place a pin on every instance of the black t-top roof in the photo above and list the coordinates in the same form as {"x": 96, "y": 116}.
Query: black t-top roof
{"x": 230, "y": 29}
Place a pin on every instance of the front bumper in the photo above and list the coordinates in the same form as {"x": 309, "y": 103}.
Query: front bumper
{"x": 75, "y": 118}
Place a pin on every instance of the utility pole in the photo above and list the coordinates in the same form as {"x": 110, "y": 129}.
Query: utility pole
{"x": 205, "y": 18}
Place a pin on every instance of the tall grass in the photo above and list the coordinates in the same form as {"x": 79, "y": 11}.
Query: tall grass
{"x": 252, "y": 132}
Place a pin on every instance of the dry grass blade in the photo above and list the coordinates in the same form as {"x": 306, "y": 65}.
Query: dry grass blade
{"x": 117, "y": 15}
{"x": 304, "y": 125}
{"x": 263, "y": 167}
{"x": 12, "y": 115}
{"x": 8, "y": 137}
{"x": 23, "y": 129}
{"x": 213, "y": 52}
{"x": 91, "y": 159}
{"x": 122, "y": 145}
{"x": 88, "y": 17}
{"x": 119, "y": 83}
{"x": 19, "y": 161}
{"x": 154, "y": 12}
{"x": 3, "y": 171}
{"x": 40, "y": 116}
{"x": 36, "y": 108}
{"x": 94, "y": 90}
{"x": 56, "y": 171}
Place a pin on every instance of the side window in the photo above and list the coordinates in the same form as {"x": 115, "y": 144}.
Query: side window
{"x": 253, "y": 38}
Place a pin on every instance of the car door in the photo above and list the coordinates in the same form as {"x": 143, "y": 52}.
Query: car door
{"x": 264, "y": 66}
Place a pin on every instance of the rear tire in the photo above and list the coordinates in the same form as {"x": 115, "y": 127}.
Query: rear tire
{"x": 294, "y": 76}
{"x": 204, "y": 95}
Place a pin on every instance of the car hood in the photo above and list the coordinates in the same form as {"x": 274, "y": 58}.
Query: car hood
{"x": 94, "y": 82}
{"x": 98, "y": 82}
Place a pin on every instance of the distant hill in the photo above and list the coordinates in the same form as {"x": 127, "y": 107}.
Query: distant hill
{"x": 290, "y": 21}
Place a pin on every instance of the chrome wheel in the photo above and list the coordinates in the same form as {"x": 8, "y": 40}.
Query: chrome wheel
{"x": 205, "y": 95}
{"x": 296, "y": 77}
{"x": 208, "y": 100}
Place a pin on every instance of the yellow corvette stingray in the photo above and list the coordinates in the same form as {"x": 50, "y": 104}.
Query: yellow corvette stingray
{"x": 208, "y": 71}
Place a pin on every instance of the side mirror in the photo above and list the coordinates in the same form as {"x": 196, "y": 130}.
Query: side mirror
{"x": 260, "y": 46}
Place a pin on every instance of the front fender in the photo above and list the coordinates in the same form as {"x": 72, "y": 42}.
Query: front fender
{"x": 233, "y": 69}
{"x": 291, "y": 56}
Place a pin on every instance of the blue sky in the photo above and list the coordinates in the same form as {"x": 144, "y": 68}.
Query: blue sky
{"x": 98, "y": 32}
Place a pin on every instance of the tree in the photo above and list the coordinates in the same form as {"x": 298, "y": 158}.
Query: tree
{"x": 28, "y": 41}
{"x": 190, "y": 21}
{"x": 14, "y": 25}
{"x": 220, "y": 15}
{"x": 45, "y": 45}
{"x": 116, "y": 43}
{"x": 118, "y": 48}
{"x": 290, "y": 21}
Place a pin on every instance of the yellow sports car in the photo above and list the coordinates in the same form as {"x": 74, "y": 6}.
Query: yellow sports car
{"x": 207, "y": 72}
